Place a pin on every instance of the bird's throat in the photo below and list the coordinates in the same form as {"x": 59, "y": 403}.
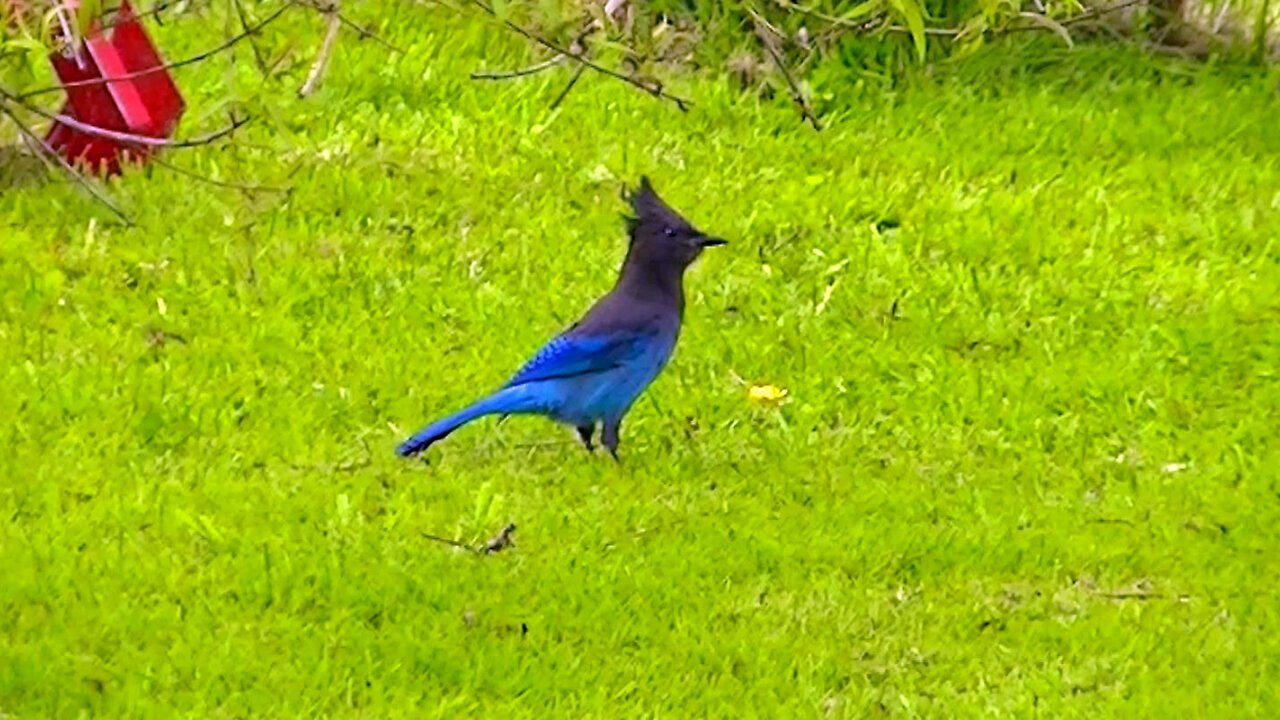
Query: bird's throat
{"x": 652, "y": 280}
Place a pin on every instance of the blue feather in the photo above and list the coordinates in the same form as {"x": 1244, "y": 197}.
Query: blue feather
{"x": 572, "y": 355}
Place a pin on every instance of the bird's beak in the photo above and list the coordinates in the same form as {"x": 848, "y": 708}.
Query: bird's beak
{"x": 707, "y": 242}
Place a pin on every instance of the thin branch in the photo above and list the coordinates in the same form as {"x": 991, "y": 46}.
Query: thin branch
{"x": 366, "y": 34}
{"x": 125, "y": 137}
{"x": 322, "y": 57}
{"x": 331, "y": 8}
{"x": 153, "y": 11}
{"x": 1047, "y": 23}
{"x": 797, "y": 95}
{"x": 654, "y": 90}
{"x": 274, "y": 66}
{"x": 47, "y": 153}
{"x": 447, "y": 541}
{"x": 120, "y": 17}
{"x": 1101, "y": 11}
{"x": 161, "y": 68}
{"x": 244, "y": 25}
{"x": 495, "y": 544}
{"x": 577, "y": 73}
{"x": 532, "y": 69}
{"x": 220, "y": 183}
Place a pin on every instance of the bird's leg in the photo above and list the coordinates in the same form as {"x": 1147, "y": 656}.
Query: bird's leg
{"x": 584, "y": 432}
{"x": 609, "y": 436}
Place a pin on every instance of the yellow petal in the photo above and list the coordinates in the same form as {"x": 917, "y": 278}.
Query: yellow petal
{"x": 768, "y": 393}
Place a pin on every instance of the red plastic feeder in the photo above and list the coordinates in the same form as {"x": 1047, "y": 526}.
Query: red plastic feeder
{"x": 138, "y": 96}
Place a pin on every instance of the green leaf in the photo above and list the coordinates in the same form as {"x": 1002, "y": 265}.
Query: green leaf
{"x": 861, "y": 10}
{"x": 911, "y": 14}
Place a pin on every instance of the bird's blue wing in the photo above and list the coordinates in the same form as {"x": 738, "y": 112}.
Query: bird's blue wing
{"x": 571, "y": 355}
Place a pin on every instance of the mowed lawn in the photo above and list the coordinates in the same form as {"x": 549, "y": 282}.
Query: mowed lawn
{"x": 1024, "y": 306}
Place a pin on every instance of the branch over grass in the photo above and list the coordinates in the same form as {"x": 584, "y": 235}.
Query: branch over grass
{"x": 322, "y": 57}
{"x": 765, "y": 33}
{"x": 654, "y": 89}
{"x": 51, "y": 157}
{"x": 124, "y": 137}
{"x": 160, "y": 68}
{"x": 493, "y": 545}
{"x": 522, "y": 72}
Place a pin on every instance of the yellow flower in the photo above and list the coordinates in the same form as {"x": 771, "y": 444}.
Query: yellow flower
{"x": 768, "y": 393}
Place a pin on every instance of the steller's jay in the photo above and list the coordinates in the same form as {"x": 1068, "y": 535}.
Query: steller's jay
{"x": 592, "y": 372}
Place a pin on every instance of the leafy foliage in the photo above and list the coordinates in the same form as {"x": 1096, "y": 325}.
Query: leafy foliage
{"x": 31, "y": 29}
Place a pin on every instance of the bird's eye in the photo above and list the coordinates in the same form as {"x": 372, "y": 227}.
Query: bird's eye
{"x": 669, "y": 231}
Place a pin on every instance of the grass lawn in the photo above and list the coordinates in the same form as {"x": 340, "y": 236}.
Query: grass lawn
{"x": 1025, "y": 308}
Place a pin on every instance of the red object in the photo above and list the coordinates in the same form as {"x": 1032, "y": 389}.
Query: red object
{"x": 131, "y": 101}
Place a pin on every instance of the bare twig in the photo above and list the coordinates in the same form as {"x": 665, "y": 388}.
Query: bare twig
{"x": 274, "y": 66}
{"x": 220, "y": 183}
{"x": 1099, "y": 12}
{"x": 532, "y": 69}
{"x": 123, "y": 137}
{"x": 652, "y": 89}
{"x": 52, "y": 157}
{"x": 1048, "y": 23}
{"x": 366, "y": 34}
{"x": 764, "y": 32}
{"x": 1112, "y": 521}
{"x": 331, "y": 8}
{"x": 495, "y": 544}
{"x": 161, "y": 68}
{"x": 154, "y": 10}
{"x": 447, "y": 541}
{"x": 322, "y": 57}
{"x": 577, "y": 73}
{"x": 244, "y": 25}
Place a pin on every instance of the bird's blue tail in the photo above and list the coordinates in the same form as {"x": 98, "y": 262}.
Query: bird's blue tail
{"x": 507, "y": 401}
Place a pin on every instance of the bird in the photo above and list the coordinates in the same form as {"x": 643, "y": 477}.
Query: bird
{"x": 590, "y": 374}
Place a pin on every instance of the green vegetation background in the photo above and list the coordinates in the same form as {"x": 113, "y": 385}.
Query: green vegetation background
{"x": 1025, "y": 306}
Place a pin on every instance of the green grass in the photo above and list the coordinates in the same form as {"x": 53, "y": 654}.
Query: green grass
{"x": 1025, "y": 308}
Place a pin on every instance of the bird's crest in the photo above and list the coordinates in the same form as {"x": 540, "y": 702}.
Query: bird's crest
{"x": 650, "y": 209}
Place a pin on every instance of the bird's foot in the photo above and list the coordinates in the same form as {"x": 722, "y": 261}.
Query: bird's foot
{"x": 584, "y": 432}
{"x": 610, "y": 436}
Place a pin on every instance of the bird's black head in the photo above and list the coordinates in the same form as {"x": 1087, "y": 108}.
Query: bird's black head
{"x": 659, "y": 233}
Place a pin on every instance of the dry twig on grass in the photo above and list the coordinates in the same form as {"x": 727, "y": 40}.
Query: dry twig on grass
{"x": 767, "y": 35}
{"x": 322, "y": 57}
{"x": 495, "y": 544}
{"x": 333, "y": 12}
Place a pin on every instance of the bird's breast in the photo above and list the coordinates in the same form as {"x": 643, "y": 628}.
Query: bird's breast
{"x": 610, "y": 393}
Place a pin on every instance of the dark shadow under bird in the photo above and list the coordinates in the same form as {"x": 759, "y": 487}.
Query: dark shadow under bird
{"x": 590, "y": 374}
